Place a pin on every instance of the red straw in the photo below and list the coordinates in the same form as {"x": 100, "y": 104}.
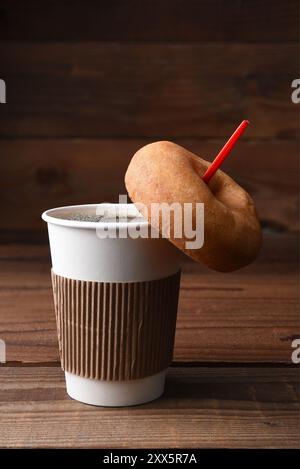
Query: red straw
{"x": 224, "y": 152}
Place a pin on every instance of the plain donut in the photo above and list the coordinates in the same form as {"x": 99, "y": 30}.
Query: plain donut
{"x": 166, "y": 172}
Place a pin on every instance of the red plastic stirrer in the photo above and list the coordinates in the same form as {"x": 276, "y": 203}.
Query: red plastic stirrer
{"x": 224, "y": 152}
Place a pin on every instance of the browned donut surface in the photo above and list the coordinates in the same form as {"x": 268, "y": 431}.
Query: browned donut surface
{"x": 163, "y": 172}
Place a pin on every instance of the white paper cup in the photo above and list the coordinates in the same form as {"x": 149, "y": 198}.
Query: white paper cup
{"x": 140, "y": 272}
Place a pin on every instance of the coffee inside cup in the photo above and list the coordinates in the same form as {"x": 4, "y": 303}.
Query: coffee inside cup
{"x": 101, "y": 218}
{"x": 103, "y": 214}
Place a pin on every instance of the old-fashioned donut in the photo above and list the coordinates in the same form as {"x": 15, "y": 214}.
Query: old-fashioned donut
{"x": 166, "y": 172}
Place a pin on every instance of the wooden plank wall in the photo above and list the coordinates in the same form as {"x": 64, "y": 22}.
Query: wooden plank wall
{"x": 90, "y": 82}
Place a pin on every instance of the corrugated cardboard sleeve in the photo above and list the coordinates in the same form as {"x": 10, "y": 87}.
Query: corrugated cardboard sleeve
{"x": 115, "y": 331}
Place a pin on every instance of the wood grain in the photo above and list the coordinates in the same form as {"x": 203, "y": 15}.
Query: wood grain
{"x": 247, "y": 316}
{"x": 50, "y": 173}
{"x": 83, "y": 94}
{"x": 159, "y": 90}
{"x": 170, "y": 20}
{"x": 202, "y": 407}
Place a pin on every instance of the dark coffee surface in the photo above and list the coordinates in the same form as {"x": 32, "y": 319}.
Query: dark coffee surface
{"x": 102, "y": 218}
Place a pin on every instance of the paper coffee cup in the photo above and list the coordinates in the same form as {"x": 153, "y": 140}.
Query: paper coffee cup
{"x": 115, "y": 301}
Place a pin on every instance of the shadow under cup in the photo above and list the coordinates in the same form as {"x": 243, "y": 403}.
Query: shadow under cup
{"x": 115, "y": 302}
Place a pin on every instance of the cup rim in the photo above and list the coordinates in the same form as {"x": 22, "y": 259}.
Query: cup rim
{"x": 49, "y": 216}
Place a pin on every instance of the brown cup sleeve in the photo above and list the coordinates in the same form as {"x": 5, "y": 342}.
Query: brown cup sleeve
{"x": 116, "y": 331}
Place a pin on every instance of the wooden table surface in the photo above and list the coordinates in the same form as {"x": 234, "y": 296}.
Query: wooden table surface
{"x": 83, "y": 95}
{"x": 232, "y": 383}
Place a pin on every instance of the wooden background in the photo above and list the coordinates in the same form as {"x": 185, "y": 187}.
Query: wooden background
{"x": 88, "y": 83}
